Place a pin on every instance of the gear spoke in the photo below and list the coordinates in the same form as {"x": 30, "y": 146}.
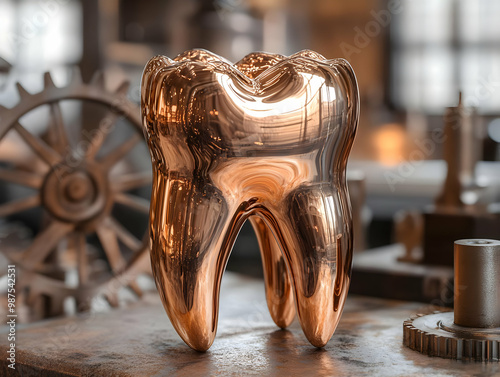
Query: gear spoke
{"x": 124, "y": 235}
{"x": 120, "y": 152}
{"x": 134, "y": 286}
{"x": 57, "y": 131}
{"x": 45, "y": 242}
{"x": 133, "y": 201}
{"x": 105, "y": 127}
{"x": 46, "y": 153}
{"x": 112, "y": 299}
{"x": 22, "y": 178}
{"x": 131, "y": 181}
{"x": 109, "y": 242}
{"x": 82, "y": 257}
{"x": 19, "y": 205}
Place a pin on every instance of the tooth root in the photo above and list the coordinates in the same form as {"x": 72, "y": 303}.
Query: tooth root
{"x": 279, "y": 293}
{"x": 189, "y": 250}
{"x": 316, "y": 247}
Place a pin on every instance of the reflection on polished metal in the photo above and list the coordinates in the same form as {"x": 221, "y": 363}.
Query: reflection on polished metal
{"x": 266, "y": 139}
{"x": 472, "y": 331}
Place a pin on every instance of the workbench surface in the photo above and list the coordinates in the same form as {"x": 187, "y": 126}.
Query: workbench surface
{"x": 139, "y": 341}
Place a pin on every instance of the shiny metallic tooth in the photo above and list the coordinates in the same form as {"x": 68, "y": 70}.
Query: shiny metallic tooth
{"x": 222, "y": 155}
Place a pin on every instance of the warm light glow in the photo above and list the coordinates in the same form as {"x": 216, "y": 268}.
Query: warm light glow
{"x": 389, "y": 143}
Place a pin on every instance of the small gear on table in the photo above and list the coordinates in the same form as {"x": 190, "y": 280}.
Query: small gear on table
{"x": 437, "y": 335}
{"x": 77, "y": 189}
{"x": 472, "y": 330}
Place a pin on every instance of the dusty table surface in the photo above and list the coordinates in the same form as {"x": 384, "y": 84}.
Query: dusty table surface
{"x": 139, "y": 341}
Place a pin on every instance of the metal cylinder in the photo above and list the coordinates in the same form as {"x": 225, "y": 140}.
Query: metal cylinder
{"x": 477, "y": 283}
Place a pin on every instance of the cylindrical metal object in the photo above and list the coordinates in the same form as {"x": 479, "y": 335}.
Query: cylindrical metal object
{"x": 462, "y": 151}
{"x": 477, "y": 283}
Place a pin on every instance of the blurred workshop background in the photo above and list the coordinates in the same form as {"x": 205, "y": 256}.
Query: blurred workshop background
{"x": 413, "y": 60}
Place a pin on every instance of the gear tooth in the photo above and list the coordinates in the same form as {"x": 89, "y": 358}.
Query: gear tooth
{"x": 123, "y": 88}
{"x": 47, "y": 80}
{"x": 5, "y": 63}
{"x": 423, "y": 337}
{"x": 23, "y": 93}
{"x": 98, "y": 79}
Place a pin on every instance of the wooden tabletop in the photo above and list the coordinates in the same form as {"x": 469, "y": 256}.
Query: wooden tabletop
{"x": 139, "y": 341}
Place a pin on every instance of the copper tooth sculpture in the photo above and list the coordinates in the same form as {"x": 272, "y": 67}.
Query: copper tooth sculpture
{"x": 266, "y": 139}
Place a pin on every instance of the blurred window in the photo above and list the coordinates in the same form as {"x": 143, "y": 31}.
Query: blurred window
{"x": 442, "y": 47}
{"x": 40, "y": 35}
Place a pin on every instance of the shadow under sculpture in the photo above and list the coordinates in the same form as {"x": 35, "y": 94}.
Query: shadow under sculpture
{"x": 266, "y": 139}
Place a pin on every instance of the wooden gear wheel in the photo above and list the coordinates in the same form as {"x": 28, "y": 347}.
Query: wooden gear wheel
{"x": 77, "y": 192}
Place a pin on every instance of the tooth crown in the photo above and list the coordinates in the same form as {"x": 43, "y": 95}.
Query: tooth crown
{"x": 266, "y": 139}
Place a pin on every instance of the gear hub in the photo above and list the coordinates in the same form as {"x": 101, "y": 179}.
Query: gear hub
{"x": 79, "y": 195}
